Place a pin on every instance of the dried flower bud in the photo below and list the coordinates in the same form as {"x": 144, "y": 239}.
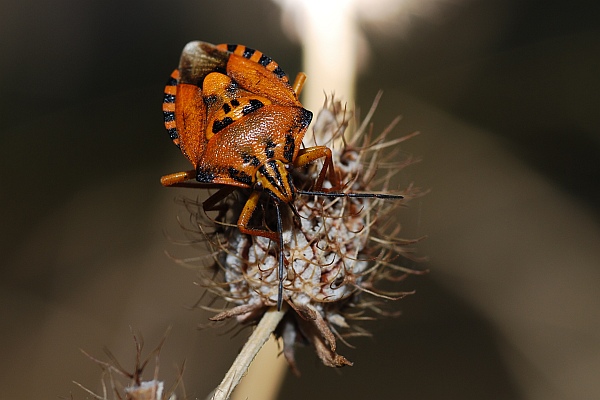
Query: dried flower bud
{"x": 134, "y": 388}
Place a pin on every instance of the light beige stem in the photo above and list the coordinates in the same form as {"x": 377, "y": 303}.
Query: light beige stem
{"x": 255, "y": 342}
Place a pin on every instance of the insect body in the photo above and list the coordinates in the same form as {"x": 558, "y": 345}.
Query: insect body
{"x": 234, "y": 115}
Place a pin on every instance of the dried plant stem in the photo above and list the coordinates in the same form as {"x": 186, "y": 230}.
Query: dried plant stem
{"x": 255, "y": 342}
{"x": 266, "y": 374}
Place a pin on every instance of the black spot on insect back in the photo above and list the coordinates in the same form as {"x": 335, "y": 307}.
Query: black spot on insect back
{"x": 169, "y": 116}
{"x": 279, "y": 72}
{"x": 209, "y": 100}
{"x": 219, "y": 125}
{"x": 169, "y": 98}
{"x": 264, "y": 60}
{"x": 204, "y": 176}
{"x": 250, "y": 159}
{"x": 239, "y": 176}
{"x": 173, "y": 134}
{"x": 289, "y": 147}
{"x": 269, "y": 146}
{"x": 252, "y": 106}
{"x": 305, "y": 118}
{"x": 172, "y": 82}
{"x": 248, "y": 52}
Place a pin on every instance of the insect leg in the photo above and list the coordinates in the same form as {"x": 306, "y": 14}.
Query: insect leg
{"x": 177, "y": 177}
{"x": 210, "y": 204}
{"x": 299, "y": 83}
{"x": 310, "y": 154}
{"x": 245, "y": 216}
{"x": 281, "y": 260}
{"x": 276, "y": 237}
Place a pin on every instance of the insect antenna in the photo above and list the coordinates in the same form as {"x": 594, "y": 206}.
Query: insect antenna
{"x": 281, "y": 260}
{"x": 351, "y": 194}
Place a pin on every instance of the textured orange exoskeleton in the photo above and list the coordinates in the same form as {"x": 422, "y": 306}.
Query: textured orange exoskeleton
{"x": 234, "y": 115}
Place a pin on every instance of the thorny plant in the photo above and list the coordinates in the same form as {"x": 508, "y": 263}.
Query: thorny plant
{"x": 135, "y": 388}
{"x": 337, "y": 253}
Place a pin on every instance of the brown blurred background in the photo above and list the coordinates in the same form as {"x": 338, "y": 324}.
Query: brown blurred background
{"x": 506, "y": 96}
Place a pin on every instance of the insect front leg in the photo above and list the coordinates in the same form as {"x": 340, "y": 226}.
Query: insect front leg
{"x": 245, "y": 216}
{"x": 310, "y": 154}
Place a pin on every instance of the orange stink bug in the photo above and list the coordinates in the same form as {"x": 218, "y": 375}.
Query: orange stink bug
{"x": 234, "y": 115}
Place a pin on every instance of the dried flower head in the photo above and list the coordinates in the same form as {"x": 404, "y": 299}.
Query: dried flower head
{"x": 134, "y": 387}
{"x": 336, "y": 249}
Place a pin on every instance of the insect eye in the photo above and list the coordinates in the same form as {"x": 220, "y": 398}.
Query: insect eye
{"x": 232, "y": 88}
{"x": 210, "y": 99}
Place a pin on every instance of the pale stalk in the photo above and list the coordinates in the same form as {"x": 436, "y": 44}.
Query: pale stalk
{"x": 255, "y": 342}
{"x": 266, "y": 374}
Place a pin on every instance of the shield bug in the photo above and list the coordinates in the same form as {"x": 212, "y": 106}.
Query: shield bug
{"x": 233, "y": 113}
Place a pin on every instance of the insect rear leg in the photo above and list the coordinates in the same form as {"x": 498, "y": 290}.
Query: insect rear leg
{"x": 310, "y": 154}
{"x": 211, "y": 204}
